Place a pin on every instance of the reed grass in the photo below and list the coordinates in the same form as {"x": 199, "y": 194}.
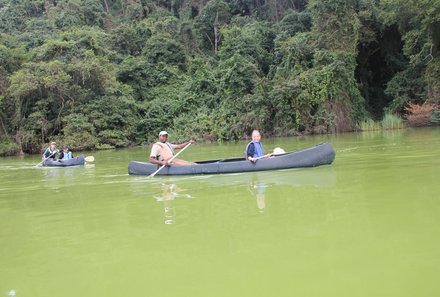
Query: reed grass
{"x": 370, "y": 125}
{"x": 391, "y": 121}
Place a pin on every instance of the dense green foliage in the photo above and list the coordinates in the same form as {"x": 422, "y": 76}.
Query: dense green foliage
{"x": 100, "y": 74}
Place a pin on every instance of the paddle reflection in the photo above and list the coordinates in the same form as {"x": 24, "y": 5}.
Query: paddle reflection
{"x": 167, "y": 196}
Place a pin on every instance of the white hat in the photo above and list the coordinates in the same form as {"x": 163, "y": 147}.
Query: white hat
{"x": 163, "y": 133}
{"x": 278, "y": 151}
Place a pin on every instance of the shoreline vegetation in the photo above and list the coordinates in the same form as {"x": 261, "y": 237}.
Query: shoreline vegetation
{"x": 389, "y": 122}
{"x": 109, "y": 74}
{"x": 369, "y": 126}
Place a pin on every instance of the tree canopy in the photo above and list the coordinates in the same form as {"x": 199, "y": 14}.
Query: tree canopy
{"x": 104, "y": 74}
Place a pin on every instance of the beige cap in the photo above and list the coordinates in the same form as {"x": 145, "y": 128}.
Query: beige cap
{"x": 53, "y": 142}
{"x": 163, "y": 133}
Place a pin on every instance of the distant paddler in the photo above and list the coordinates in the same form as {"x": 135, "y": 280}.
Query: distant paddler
{"x": 51, "y": 151}
{"x": 162, "y": 151}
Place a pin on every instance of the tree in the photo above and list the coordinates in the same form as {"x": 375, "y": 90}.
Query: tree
{"x": 418, "y": 23}
{"x": 253, "y": 40}
{"x": 69, "y": 76}
{"x": 69, "y": 13}
{"x": 209, "y": 23}
{"x": 15, "y": 13}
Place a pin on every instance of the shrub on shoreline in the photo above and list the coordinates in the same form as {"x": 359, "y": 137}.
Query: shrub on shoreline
{"x": 420, "y": 114}
{"x": 8, "y": 148}
{"x": 435, "y": 117}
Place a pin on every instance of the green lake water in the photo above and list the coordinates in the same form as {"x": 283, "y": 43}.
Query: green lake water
{"x": 367, "y": 225}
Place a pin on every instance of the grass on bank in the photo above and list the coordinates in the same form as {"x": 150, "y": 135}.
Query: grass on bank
{"x": 370, "y": 125}
{"x": 389, "y": 122}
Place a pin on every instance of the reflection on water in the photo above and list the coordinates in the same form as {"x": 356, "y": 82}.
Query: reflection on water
{"x": 382, "y": 134}
{"x": 258, "y": 190}
{"x": 323, "y": 176}
{"x": 168, "y": 193}
{"x": 166, "y": 189}
{"x": 259, "y": 182}
{"x": 55, "y": 178}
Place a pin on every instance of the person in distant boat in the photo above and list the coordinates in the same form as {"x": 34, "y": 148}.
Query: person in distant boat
{"x": 66, "y": 154}
{"x": 162, "y": 151}
{"x": 254, "y": 149}
{"x": 51, "y": 151}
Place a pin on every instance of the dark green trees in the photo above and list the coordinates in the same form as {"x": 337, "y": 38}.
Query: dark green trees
{"x": 102, "y": 74}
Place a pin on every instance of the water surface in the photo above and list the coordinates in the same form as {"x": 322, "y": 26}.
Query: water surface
{"x": 368, "y": 225}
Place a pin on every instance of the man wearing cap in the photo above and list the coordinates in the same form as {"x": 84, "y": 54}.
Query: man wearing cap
{"x": 162, "y": 151}
{"x": 51, "y": 151}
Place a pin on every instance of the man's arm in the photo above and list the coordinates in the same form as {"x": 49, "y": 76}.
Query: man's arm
{"x": 153, "y": 160}
{"x": 182, "y": 145}
{"x": 47, "y": 154}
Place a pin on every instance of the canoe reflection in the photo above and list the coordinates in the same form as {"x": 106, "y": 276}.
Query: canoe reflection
{"x": 168, "y": 194}
{"x": 309, "y": 177}
{"x": 260, "y": 181}
{"x": 57, "y": 177}
{"x": 166, "y": 189}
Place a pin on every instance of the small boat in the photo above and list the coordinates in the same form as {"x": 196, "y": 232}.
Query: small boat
{"x": 320, "y": 154}
{"x": 64, "y": 163}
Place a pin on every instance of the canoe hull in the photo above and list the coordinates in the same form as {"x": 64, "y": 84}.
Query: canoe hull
{"x": 64, "y": 163}
{"x": 321, "y": 154}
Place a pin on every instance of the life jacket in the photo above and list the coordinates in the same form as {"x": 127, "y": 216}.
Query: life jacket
{"x": 258, "y": 149}
{"x": 167, "y": 151}
{"x": 50, "y": 154}
{"x": 67, "y": 156}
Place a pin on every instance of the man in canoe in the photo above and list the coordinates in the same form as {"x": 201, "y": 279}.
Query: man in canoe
{"x": 162, "y": 151}
{"x": 50, "y": 152}
{"x": 254, "y": 149}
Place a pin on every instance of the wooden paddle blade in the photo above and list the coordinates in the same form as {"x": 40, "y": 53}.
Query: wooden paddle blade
{"x": 89, "y": 159}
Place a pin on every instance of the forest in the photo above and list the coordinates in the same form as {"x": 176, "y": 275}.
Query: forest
{"x": 100, "y": 74}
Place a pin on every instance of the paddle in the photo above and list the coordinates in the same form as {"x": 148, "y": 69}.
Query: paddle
{"x": 154, "y": 173}
{"x": 46, "y": 158}
{"x": 262, "y": 157}
{"x": 276, "y": 152}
